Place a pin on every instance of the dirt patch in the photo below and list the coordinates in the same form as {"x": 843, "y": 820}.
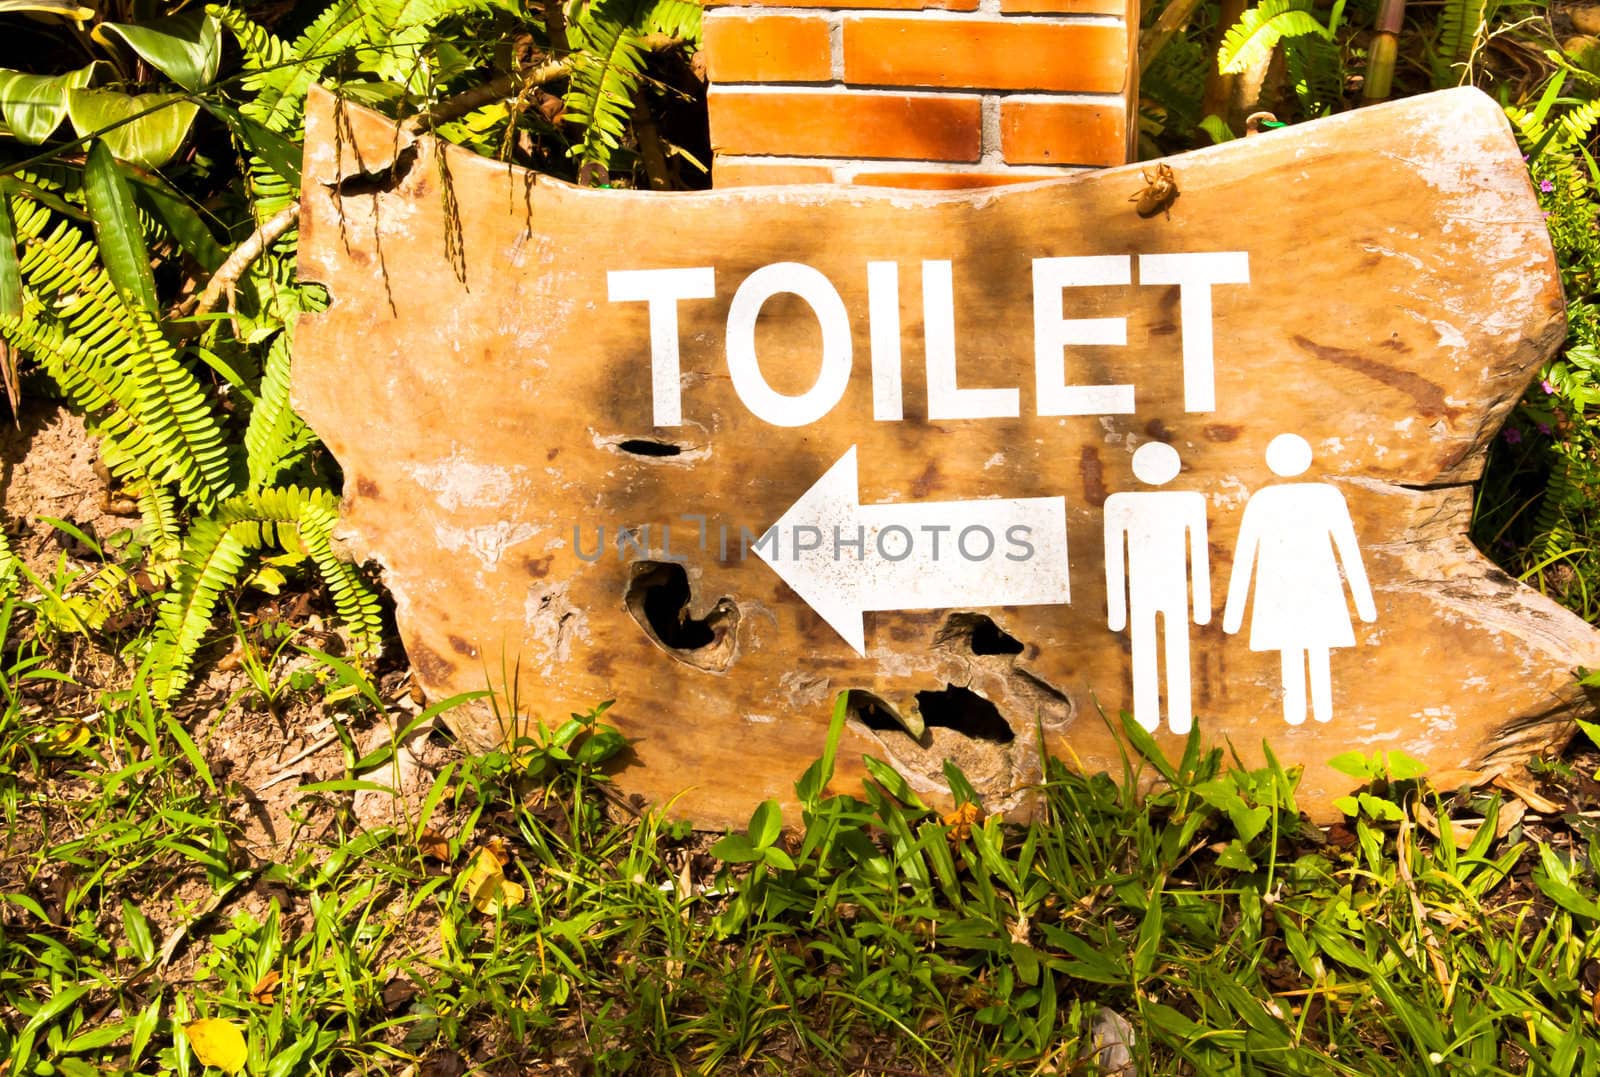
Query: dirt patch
{"x": 49, "y": 467}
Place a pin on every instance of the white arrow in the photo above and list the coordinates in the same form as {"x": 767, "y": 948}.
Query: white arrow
{"x": 843, "y": 557}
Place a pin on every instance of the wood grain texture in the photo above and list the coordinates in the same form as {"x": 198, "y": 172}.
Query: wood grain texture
{"x": 1402, "y": 294}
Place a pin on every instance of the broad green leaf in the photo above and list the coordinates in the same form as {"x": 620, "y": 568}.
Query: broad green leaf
{"x": 1218, "y": 129}
{"x": 275, "y": 151}
{"x": 116, "y": 227}
{"x": 137, "y": 928}
{"x": 765, "y": 824}
{"x": 10, "y": 266}
{"x": 1235, "y": 858}
{"x": 960, "y": 788}
{"x": 1354, "y": 764}
{"x": 144, "y": 129}
{"x": 1148, "y": 943}
{"x": 1554, "y": 877}
{"x": 1400, "y": 767}
{"x": 184, "y": 47}
{"x": 35, "y": 105}
{"x": 180, "y": 219}
{"x": 735, "y": 849}
{"x": 1146, "y": 746}
{"x": 65, "y": 8}
{"x": 893, "y": 782}
{"x": 1590, "y": 730}
{"x": 1380, "y": 808}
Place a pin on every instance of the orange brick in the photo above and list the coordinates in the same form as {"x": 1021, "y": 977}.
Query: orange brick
{"x": 944, "y": 181}
{"x": 767, "y": 48}
{"x": 842, "y": 123}
{"x": 984, "y": 53}
{"x": 765, "y": 173}
{"x": 886, "y": 5}
{"x": 1065, "y": 7}
{"x": 1035, "y": 132}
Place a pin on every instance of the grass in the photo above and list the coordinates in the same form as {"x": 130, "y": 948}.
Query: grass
{"x": 521, "y": 918}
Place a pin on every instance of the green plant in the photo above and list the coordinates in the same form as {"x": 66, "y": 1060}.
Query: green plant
{"x": 1536, "y": 507}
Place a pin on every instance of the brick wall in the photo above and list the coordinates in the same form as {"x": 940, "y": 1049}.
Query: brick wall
{"x": 918, "y": 93}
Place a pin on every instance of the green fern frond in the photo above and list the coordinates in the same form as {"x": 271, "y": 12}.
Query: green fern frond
{"x": 1175, "y": 82}
{"x": 112, "y": 360}
{"x": 605, "y": 75}
{"x": 275, "y": 437}
{"x": 1315, "y": 71}
{"x": 674, "y": 18}
{"x": 1251, "y": 40}
{"x": 89, "y": 601}
{"x": 214, "y": 556}
{"x": 158, "y": 528}
{"x": 180, "y": 422}
{"x": 1530, "y": 129}
{"x": 1461, "y": 27}
{"x": 1578, "y": 123}
{"x": 10, "y": 566}
{"x": 353, "y": 600}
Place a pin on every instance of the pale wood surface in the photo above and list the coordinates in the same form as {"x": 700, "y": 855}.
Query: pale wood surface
{"x": 1403, "y": 293}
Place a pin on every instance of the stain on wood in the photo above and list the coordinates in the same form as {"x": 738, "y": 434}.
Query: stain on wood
{"x": 540, "y": 525}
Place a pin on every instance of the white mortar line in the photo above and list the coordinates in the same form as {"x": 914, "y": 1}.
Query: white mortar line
{"x": 983, "y": 14}
{"x": 857, "y": 165}
{"x": 1078, "y": 97}
{"x": 989, "y": 152}
{"x": 836, "y": 45}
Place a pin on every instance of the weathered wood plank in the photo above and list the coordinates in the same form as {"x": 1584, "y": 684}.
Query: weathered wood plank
{"x": 492, "y": 409}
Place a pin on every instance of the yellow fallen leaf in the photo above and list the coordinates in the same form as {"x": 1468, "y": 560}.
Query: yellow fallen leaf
{"x": 433, "y": 845}
{"x": 486, "y": 885}
{"x": 217, "y": 1043}
{"x": 265, "y": 992}
{"x": 959, "y": 822}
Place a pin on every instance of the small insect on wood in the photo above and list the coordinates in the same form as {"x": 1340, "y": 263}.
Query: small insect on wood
{"x": 1160, "y": 191}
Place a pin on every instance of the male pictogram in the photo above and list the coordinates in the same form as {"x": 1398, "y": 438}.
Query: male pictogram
{"x": 1160, "y": 536}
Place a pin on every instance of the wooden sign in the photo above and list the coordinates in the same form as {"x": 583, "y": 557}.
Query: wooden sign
{"x": 994, "y": 462}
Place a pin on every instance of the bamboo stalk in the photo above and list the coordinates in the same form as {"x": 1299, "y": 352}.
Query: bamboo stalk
{"x": 1382, "y": 50}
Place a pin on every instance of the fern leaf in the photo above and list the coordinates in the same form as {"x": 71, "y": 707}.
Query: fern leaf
{"x": 173, "y": 408}
{"x": 1175, "y": 82}
{"x": 355, "y": 602}
{"x": 10, "y": 566}
{"x": 605, "y": 76}
{"x": 1578, "y": 123}
{"x": 1461, "y": 27}
{"x": 213, "y": 555}
{"x": 112, "y": 360}
{"x": 674, "y": 18}
{"x": 213, "y": 559}
{"x": 275, "y": 436}
{"x": 1251, "y": 40}
{"x": 158, "y": 529}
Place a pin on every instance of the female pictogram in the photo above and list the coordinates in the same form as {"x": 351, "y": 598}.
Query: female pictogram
{"x": 1293, "y": 539}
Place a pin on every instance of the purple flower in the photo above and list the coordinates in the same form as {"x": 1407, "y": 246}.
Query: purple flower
{"x": 1546, "y": 186}
{"x": 1544, "y": 428}
{"x": 1512, "y": 435}
{"x": 1549, "y": 390}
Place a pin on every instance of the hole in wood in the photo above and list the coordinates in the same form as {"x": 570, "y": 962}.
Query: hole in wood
{"x": 979, "y": 634}
{"x": 872, "y": 712}
{"x": 658, "y": 597}
{"x": 648, "y": 447}
{"x": 964, "y": 711}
